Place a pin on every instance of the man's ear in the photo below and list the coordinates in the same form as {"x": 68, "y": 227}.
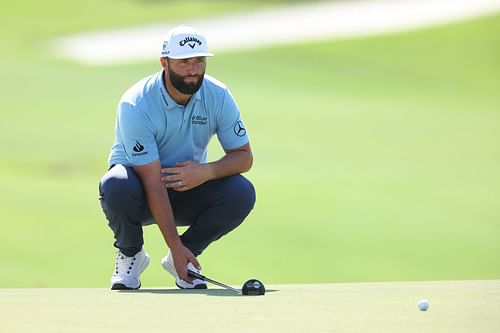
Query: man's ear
{"x": 163, "y": 62}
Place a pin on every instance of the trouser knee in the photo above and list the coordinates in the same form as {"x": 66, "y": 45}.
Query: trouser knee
{"x": 123, "y": 202}
{"x": 241, "y": 197}
{"x": 120, "y": 190}
{"x": 231, "y": 200}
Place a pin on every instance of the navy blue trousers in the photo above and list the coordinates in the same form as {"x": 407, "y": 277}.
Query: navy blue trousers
{"x": 211, "y": 210}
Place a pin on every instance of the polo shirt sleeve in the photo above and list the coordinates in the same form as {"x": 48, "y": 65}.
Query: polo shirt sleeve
{"x": 137, "y": 135}
{"x": 231, "y": 130}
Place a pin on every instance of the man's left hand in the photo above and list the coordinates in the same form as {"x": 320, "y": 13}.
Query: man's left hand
{"x": 185, "y": 175}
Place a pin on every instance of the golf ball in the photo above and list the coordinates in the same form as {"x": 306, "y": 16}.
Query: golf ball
{"x": 423, "y": 304}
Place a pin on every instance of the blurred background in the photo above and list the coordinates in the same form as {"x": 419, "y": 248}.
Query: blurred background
{"x": 376, "y": 158}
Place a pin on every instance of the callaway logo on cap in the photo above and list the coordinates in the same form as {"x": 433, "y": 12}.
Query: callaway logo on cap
{"x": 184, "y": 42}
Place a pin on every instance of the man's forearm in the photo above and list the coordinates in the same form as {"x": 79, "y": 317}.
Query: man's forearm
{"x": 234, "y": 161}
{"x": 158, "y": 202}
{"x": 162, "y": 213}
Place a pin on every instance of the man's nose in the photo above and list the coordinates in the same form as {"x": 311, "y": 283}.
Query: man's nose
{"x": 192, "y": 69}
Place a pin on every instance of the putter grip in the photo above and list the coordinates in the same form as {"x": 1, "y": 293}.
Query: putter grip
{"x": 196, "y": 275}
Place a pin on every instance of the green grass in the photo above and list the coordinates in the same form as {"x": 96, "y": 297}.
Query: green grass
{"x": 375, "y": 159}
{"x": 455, "y": 306}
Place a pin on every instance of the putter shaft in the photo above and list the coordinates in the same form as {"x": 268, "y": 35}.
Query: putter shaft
{"x": 204, "y": 278}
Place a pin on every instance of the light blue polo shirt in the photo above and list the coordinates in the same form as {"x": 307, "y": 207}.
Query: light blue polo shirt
{"x": 150, "y": 125}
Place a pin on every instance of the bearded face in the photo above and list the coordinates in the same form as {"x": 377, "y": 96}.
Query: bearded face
{"x": 189, "y": 83}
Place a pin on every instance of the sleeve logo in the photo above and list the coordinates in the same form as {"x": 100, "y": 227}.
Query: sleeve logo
{"x": 138, "y": 147}
{"x": 239, "y": 129}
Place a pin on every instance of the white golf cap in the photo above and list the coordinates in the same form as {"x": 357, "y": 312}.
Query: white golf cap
{"x": 184, "y": 42}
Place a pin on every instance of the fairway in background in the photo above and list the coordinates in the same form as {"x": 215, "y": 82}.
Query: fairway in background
{"x": 375, "y": 159}
{"x": 378, "y": 158}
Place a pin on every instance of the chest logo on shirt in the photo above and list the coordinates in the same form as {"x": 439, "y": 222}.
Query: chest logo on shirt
{"x": 239, "y": 129}
{"x": 199, "y": 120}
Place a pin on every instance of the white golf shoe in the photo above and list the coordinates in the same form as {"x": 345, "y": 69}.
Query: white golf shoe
{"x": 128, "y": 271}
{"x": 168, "y": 264}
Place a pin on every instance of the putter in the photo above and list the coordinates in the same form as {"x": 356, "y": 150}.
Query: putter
{"x": 251, "y": 287}
{"x": 204, "y": 278}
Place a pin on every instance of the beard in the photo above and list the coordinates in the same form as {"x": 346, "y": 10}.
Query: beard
{"x": 182, "y": 86}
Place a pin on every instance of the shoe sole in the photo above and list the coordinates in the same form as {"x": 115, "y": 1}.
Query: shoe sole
{"x": 198, "y": 286}
{"x": 121, "y": 286}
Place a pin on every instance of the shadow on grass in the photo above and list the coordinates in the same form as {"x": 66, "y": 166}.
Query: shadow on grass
{"x": 208, "y": 292}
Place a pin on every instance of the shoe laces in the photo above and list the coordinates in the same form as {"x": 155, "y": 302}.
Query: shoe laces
{"x": 124, "y": 263}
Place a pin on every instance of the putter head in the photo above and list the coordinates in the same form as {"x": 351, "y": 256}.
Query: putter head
{"x": 253, "y": 287}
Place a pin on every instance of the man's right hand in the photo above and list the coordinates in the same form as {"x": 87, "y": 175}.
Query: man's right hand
{"x": 182, "y": 256}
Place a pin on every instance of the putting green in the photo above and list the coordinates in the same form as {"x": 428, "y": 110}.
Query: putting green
{"x": 455, "y": 306}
